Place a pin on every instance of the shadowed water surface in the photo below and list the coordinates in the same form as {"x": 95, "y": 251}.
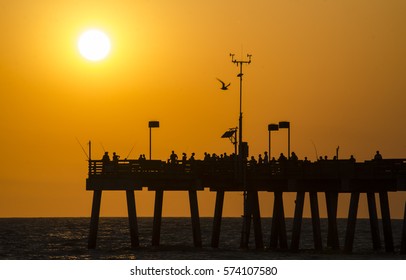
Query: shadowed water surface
{"x": 66, "y": 238}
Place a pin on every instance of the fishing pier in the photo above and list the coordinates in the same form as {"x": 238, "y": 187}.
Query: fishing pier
{"x": 330, "y": 177}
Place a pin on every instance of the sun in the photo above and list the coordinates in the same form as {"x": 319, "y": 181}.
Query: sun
{"x": 94, "y": 45}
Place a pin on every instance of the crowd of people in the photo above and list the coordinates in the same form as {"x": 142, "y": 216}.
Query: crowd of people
{"x": 261, "y": 159}
{"x": 208, "y": 158}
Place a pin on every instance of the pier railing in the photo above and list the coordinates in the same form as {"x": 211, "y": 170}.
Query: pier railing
{"x": 388, "y": 168}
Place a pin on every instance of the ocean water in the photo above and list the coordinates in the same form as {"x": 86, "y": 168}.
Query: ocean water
{"x": 66, "y": 238}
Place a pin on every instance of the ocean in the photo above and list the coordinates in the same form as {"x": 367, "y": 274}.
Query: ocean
{"x": 66, "y": 239}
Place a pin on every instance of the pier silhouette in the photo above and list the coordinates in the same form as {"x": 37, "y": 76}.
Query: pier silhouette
{"x": 222, "y": 175}
{"x": 235, "y": 173}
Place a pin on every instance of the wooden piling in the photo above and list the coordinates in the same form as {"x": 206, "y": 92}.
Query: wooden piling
{"x": 246, "y": 222}
{"x": 278, "y": 229}
{"x": 297, "y": 221}
{"x": 314, "y": 207}
{"x": 194, "y": 213}
{"x": 283, "y": 240}
{"x": 132, "y": 218}
{"x": 332, "y": 233}
{"x": 403, "y": 239}
{"x": 156, "y": 227}
{"x": 218, "y": 213}
{"x": 351, "y": 222}
{"x": 94, "y": 220}
{"x": 386, "y": 221}
{"x": 274, "y": 226}
{"x": 256, "y": 216}
{"x": 373, "y": 219}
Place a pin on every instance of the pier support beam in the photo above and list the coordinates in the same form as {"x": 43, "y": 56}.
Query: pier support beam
{"x": 373, "y": 219}
{"x": 314, "y": 207}
{"x": 256, "y": 216}
{"x": 194, "y": 213}
{"x": 298, "y": 218}
{"x": 332, "y": 234}
{"x": 132, "y": 218}
{"x": 278, "y": 229}
{"x": 351, "y": 222}
{"x": 253, "y": 213}
{"x": 94, "y": 220}
{"x": 403, "y": 239}
{"x": 297, "y": 221}
{"x": 218, "y": 213}
{"x": 156, "y": 227}
{"x": 386, "y": 221}
{"x": 246, "y": 222}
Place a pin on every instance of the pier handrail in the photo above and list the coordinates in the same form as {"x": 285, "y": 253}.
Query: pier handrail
{"x": 294, "y": 169}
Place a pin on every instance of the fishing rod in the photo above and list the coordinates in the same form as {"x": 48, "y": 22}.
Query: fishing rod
{"x": 83, "y": 149}
{"x": 130, "y": 151}
{"x": 315, "y": 149}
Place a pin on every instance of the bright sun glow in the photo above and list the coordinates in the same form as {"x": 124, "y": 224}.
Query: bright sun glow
{"x": 94, "y": 45}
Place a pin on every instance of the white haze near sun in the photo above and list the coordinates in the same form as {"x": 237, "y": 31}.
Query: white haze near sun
{"x": 94, "y": 45}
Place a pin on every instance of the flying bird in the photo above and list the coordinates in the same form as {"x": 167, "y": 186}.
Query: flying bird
{"x": 223, "y": 85}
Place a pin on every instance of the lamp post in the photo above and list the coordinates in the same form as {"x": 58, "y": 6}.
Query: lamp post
{"x": 242, "y": 152}
{"x": 271, "y": 127}
{"x": 285, "y": 124}
{"x": 151, "y": 125}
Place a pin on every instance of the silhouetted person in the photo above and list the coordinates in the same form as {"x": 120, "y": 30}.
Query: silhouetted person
{"x": 352, "y": 159}
{"x": 260, "y": 160}
{"x": 105, "y": 161}
{"x": 294, "y": 157}
{"x": 306, "y": 160}
{"x": 141, "y": 162}
{"x": 173, "y": 159}
{"x": 266, "y": 158}
{"x": 115, "y": 158}
{"x": 253, "y": 162}
{"x": 106, "y": 158}
{"x": 282, "y": 158}
{"x": 192, "y": 158}
{"x": 184, "y": 158}
{"x": 378, "y": 156}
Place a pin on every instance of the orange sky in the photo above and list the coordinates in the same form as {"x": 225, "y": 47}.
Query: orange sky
{"x": 334, "y": 69}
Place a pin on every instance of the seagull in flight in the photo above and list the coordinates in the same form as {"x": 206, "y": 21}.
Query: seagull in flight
{"x": 223, "y": 85}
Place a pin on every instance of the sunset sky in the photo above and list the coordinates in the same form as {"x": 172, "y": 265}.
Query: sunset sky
{"x": 335, "y": 69}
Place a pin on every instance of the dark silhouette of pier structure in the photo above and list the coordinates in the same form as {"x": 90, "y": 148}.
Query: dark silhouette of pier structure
{"x": 330, "y": 177}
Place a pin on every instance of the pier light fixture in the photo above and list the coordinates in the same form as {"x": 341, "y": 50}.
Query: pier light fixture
{"x": 231, "y": 134}
{"x": 151, "y": 124}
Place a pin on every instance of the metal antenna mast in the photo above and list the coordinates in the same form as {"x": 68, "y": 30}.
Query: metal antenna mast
{"x": 240, "y": 63}
{"x": 242, "y": 152}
